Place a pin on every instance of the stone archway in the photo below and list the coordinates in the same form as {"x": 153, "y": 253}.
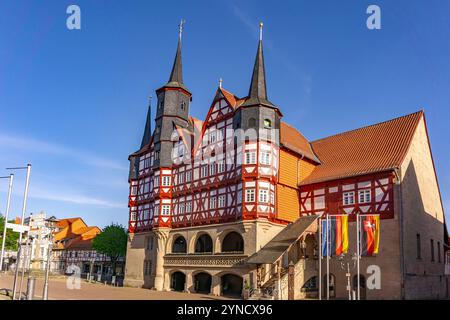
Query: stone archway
{"x": 202, "y": 282}
{"x": 231, "y": 285}
{"x": 203, "y": 244}
{"x": 177, "y": 281}
{"x": 233, "y": 242}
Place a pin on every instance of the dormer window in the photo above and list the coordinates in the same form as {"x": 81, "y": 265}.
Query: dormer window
{"x": 267, "y": 123}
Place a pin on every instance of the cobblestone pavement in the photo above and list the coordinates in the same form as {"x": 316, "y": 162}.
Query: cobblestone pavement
{"x": 58, "y": 290}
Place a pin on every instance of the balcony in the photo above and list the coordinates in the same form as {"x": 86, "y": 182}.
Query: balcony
{"x": 205, "y": 260}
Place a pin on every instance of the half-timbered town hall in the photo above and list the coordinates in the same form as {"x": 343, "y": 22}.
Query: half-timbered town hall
{"x": 229, "y": 205}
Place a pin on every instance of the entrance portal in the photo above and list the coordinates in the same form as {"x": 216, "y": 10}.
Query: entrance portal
{"x": 177, "y": 281}
{"x": 231, "y": 285}
{"x": 202, "y": 283}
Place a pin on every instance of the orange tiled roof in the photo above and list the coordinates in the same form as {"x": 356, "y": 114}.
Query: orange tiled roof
{"x": 292, "y": 139}
{"x": 74, "y": 233}
{"x": 375, "y": 148}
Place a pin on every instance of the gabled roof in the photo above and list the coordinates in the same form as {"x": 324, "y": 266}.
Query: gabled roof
{"x": 293, "y": 140}
{"x": 73, "y": 233}
{"x": 376, "y": 148}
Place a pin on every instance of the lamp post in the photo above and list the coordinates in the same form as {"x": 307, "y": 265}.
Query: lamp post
{"x": 51, "y": 225}
{"x": 346, "y": 266}
{"x": 8, "y": 205}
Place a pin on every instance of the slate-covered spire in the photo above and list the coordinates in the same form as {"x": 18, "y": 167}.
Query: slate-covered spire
{"x": 258, "y": 92}
{"x": 176, "y": 76}
{"x": 148, "y": 125}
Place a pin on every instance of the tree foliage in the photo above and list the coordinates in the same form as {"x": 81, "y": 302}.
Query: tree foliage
{"x": 11, "y": 236}
{"x": 112, "y": 241}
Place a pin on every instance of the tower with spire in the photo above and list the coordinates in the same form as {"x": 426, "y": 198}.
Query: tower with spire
{"x": 257, "y": 112}
{"x": 172, "y": 109}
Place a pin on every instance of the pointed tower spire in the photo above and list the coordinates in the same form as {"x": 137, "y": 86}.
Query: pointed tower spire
{"x": 257, "y": 94}
{"x": 148, "y": 125}
{"x": 176, "y": 76}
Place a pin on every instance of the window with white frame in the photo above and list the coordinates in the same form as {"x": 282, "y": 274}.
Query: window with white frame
{"x": 212, "y": 168}
{"x": 364, "y": 196}
{"x": 222, "y": 201}
{"x": 265, "y": 157}
{"x": 166, "y": 181}
{"x": 188, "y": 207}
{"x": 188, "y": 176}
{"x": 156, "y": 181}
{"x": 181, "y": 208}
{"x": 272, "y": 197}
{"x": 221, "y": 166}
{"x": 348, "y": 198}
{"x": 212, "y": 137}
{"x": 156, "y": 210}
{"x": 204, "y": 171}
{"x": 250, "y": 157}
{"x": 249, "y": 195}
{"x": 165, "y": 209}
{"x": 263, "y": 195}
{"x": 212, "y": 202}
{"x": 133, "y": 216}
{"x": 181, "y": 177}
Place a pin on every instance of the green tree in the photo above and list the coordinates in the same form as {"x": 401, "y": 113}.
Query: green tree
{"x": 11, "y": 237}
{"x": 112, "y": 241}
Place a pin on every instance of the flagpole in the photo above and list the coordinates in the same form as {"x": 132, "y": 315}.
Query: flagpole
{"x": 320, "y": 258}
{"x": 358, "y": 253}
{"x": 328, "y": 257}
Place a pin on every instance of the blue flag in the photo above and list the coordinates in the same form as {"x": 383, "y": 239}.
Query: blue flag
{"x": 324, "y": 238}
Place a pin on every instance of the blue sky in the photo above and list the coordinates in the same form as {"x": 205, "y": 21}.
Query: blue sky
{"x": 74, "y": 102}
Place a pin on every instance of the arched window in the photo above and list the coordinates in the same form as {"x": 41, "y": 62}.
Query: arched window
{"x": 267, "y": 123}
{"x": 203, "y": 244}
{"x": 310, "y": 285}
{"x": 179, "y": 245}
{"x": 252, "y": 122}
{"x": 233, "y": 242}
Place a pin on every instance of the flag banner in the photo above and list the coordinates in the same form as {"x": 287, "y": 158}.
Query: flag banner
{"x": 335, "y": 234}
{"x": 324, "y": 238}
{"x": 369, "y": 234}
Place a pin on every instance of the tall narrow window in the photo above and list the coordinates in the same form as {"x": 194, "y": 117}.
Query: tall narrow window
{"x": 265, "y": 157}
{"x": 418, "y": 246}
{"x": 439, "y": 251}
{"x": 250, "y": 157}
{"x": 221, "y": 166}
{"x": 221, "y": 201}
{"x": 204, "y": 171}
{"x": 432, "y": 249}
{"x": 263, "y": 195}
{"x": 188, "y": 207}
{"x": 212, "y": 168}
{"x": 188, "y": 176}
{"x": 364, "y": 196}
{"x": 267, "y": 123}
{"x": 212, "y": 202}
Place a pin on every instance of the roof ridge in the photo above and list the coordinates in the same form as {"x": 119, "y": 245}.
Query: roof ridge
{"x": 368, "y": 126}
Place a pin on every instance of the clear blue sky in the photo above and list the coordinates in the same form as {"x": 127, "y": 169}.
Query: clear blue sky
{"x": 74, "y": 102}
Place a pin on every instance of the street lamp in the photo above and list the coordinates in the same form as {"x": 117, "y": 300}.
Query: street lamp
{"x": 51, "y": 224}
{"x": 346, "y": 266}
